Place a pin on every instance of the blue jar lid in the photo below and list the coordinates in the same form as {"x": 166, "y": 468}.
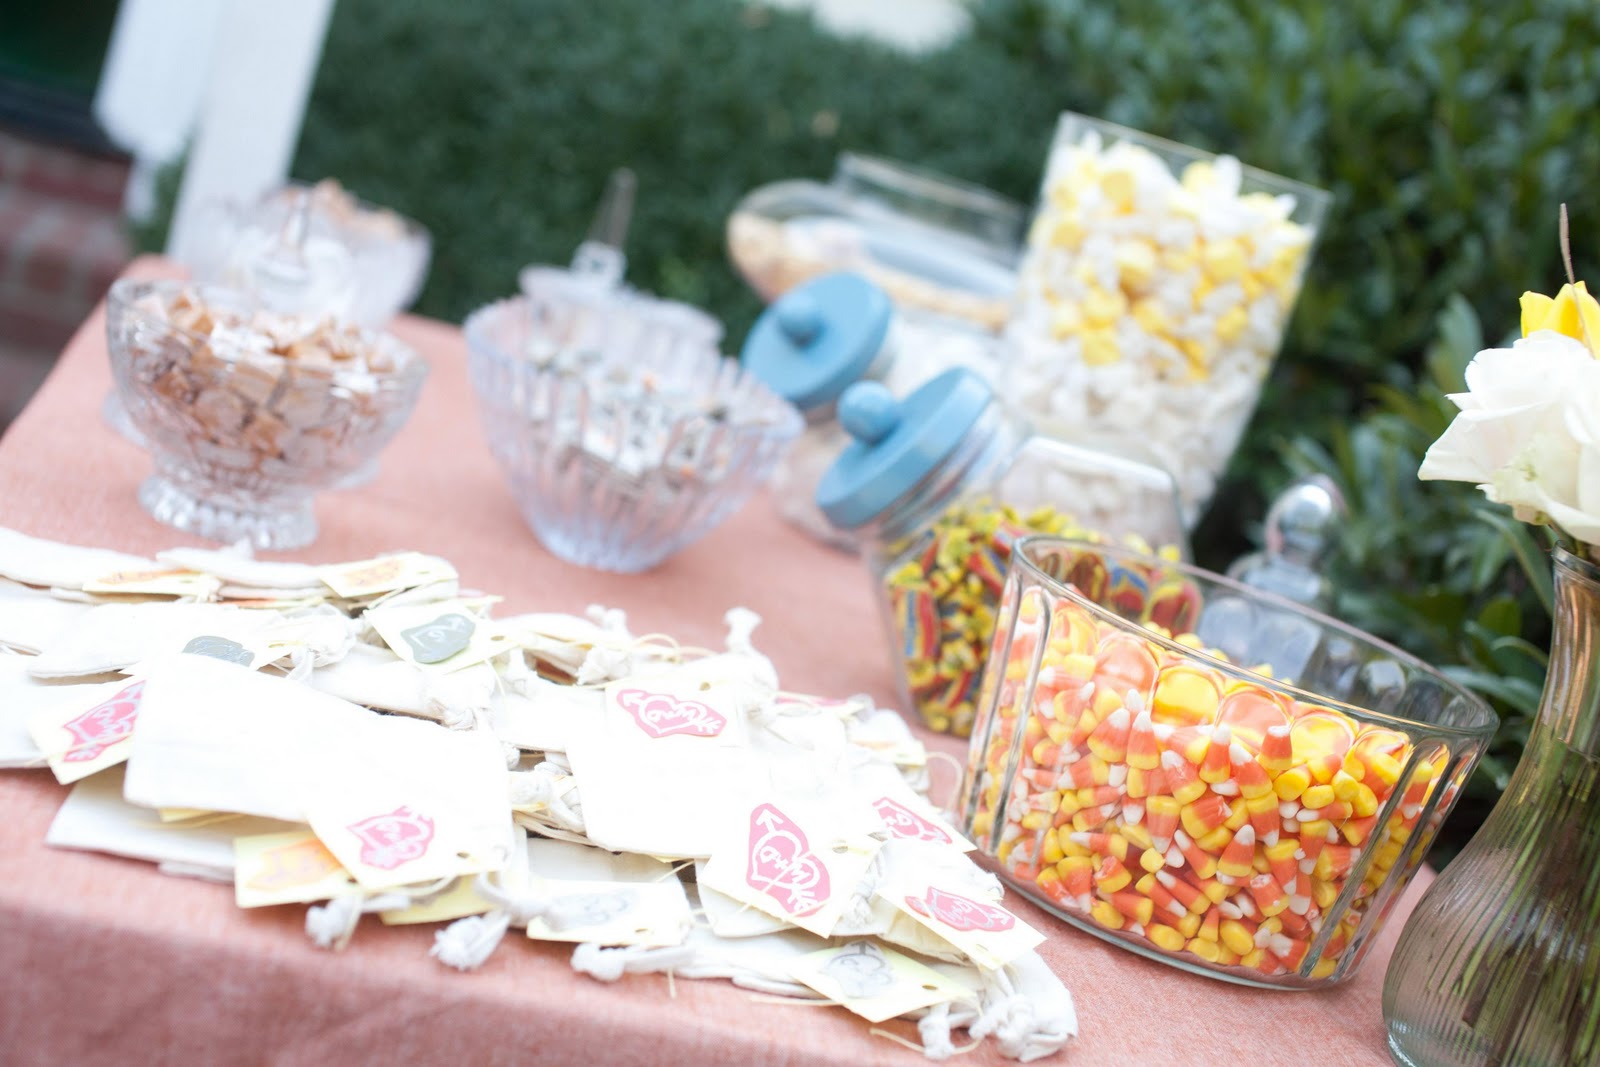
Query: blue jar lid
{"x": 818, "y": 338}
{"x": 897, "y": 442}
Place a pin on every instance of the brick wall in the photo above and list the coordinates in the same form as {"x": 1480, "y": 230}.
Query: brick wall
{"x": 61, "y": 243}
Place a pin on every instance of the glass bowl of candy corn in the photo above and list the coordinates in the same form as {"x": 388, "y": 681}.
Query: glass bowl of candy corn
{"x": 1202, "y": 772}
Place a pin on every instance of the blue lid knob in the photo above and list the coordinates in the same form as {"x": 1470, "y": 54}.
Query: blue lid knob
{"x": 819, "y": 338}
{"x": 799, "y": 317}
{"x": 897, "y": 443}
{"x": 869, "y": 412}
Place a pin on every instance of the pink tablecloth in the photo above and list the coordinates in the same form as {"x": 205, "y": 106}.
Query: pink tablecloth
{"x": 107, "y": 961}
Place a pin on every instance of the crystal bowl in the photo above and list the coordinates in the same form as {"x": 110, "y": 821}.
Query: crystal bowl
{"x": 1204, "y": 773}
{"x": 622, "y": 438}
{"x": 672, "y": 320}
{"x": 243, "y": 435}
{"x": 383, "y": 256}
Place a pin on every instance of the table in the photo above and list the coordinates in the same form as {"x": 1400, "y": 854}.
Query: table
{"x": 107, "y": 961}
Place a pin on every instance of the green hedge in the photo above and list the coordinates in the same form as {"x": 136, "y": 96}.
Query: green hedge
{"x": 496, "y": 123}
{"x": 1447, "y": 131}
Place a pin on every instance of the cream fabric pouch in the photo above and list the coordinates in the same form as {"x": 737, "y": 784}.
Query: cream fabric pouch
{"x": 33, "y": 561}
{"x": 31, "y": 618}
{"x": 115, "y": 637}
{"x": 218, "y": 737}
{"x": 24, "y": 699}
{"x": 96, "y": 818}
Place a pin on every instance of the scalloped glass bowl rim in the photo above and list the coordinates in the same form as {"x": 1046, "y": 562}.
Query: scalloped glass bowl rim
{"x": 1022, "y": 559}
{"x": 124, "y": 293}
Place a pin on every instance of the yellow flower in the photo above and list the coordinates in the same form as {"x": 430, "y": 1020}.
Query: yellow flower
{"x": 1572, "y": 312}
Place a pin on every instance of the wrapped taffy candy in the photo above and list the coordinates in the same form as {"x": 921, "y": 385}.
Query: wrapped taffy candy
{"x": 939, "y": 486}
{"x": 1155, "y": 289}
{"x": 1204, "y": 773}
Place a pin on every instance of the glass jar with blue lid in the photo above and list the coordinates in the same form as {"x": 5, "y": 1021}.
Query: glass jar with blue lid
{"x": 820, "y": 338}
{"x": 938, "y": 486}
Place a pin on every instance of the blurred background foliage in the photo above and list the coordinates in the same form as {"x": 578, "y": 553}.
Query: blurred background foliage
{"x": 1448, "y": 132}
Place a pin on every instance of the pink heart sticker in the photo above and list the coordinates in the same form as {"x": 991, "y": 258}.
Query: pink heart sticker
{"x": 392, "y": 839}
{"x": 664, "y": 715}
{"x": 902, "y": 822}
{"x": 782, "y": 864}
{"x": 959, "y": 913}
{"x": 103, "y": 725}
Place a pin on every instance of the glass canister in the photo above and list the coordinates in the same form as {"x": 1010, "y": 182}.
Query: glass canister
{"x": 1154, "y": 291}
{"x": 821, "y": 337}
{"x": 934, "y": 244}
{"x": 1204, "y": 773}
{"x": 940, "y": 486}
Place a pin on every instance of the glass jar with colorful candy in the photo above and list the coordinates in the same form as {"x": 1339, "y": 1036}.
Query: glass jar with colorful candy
{"x": 1205, "y": 773}
{"x": 939, "y": 487}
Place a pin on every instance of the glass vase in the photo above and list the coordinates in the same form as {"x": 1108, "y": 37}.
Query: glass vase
{"x": 1500, "y": 962}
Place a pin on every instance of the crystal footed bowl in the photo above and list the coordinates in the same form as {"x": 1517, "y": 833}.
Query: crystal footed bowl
{"x": 1204, "y": 773}
{"x": 247, "y": 413}
{"x": 374, "y": 260}
{"x": 622, "y": 438}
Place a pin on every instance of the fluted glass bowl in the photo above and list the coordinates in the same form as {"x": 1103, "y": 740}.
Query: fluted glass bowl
{"x": 1204, "y": 773}
{"x": 623, "y": 439}
{"x": 241, "y": 435}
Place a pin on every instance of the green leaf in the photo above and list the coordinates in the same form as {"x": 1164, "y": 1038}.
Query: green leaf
{"x": 1530, "y": 556}
{"x": 1520, "y": 693}
{"x": 1501, "y": 616}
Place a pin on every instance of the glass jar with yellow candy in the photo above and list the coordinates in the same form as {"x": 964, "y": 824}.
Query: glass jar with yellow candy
{"x": 939, "y": 486}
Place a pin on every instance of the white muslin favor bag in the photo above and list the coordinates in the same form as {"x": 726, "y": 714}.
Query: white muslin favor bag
{"x": 34, "y": 561}
{"x": 96, "y": 818}
{"x": 31, "y": 618}
{"x": 397, "y": 800}
{"x": 657, "y": 767}
{"x": 114, "y": 637}
{"x": 24, "y": 699}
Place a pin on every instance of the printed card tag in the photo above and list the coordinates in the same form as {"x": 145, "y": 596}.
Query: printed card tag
{"x": 405, "y": 570}
{"x": 35, "y": 561}
{"x": 388, "y": 843}
{"x": 799, "y": 861}
{"x": 911, "y": 820}
{"x": 651, "y": 711}
{"x": 227, "y": 650}
{"x": 287, "y": 868}
{"x": 876, "y": 983}
{"x": 163, "y": 581}
{"x": 445, "y": 635}
{"x": 456, "y": 902}
{"x": 183, "y": 814}
{"x": 652, "y": 914}
{"x": 272, "y": 603}
{"x": 990, "y": 935}
{"x": 79, "y": 741}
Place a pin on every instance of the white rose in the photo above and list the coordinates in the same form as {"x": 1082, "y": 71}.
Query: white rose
{"x": 1529, "y": 432}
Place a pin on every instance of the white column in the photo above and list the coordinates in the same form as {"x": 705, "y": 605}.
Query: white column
{"x": 262, "y": 65}
{"x": 149, "y": 114}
